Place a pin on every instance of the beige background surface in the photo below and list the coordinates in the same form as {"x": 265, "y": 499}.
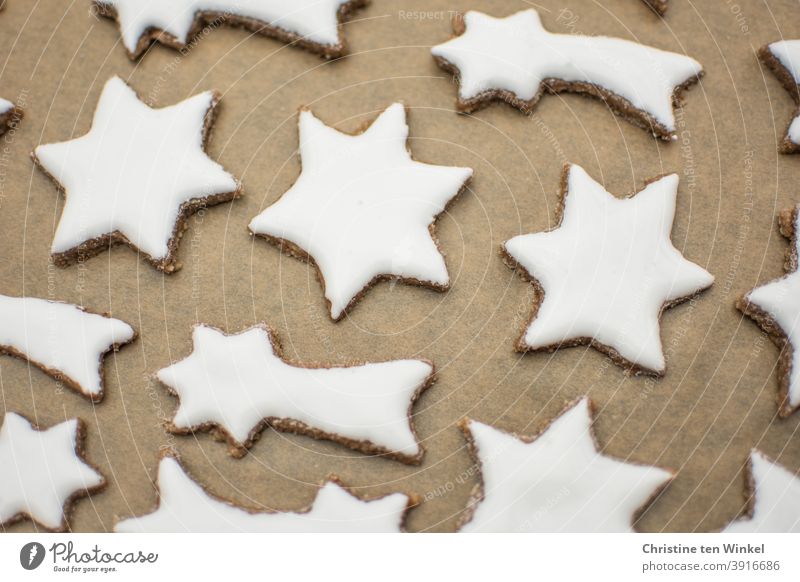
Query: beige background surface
{"x": 717, "y": 400}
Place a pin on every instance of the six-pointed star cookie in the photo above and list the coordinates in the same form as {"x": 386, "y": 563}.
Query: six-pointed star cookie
{"x": 555, "y": 482}
{"x": 606, "y": 272}
{"x": 61, "y": 339}
{"x": 773, "y": 499}
{"x": 185, "y": 506}
{"x": 42, "y": 471}
{"x": 783, "y": 59}
{"x": 514, "y": 59}
{"x": 241, "y": 382}
{"x": 312, "y": 24}
{"x": 135, "y": 176}
{"x": 776, "y": 308}
{"x": 363, "y": 209}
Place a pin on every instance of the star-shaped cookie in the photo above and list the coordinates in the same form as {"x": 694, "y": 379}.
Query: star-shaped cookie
{"x": 239, "y": 383}
{"x": 363, "y": 209}
{"x": 775, "y": 307}
{"x": 135, "y": 176}
{"x": 515, "y": 60}
{"x": 185, "y": 506}
{"x": 555, "y": 482}
{"x": 783, "y": 59}
{"x": 311, "y": 24}
{"x": 64, "y": 340}
{"x": 43, "y": 471}
{"x": 773, "y": 499}
{"x": 606, "y": 273}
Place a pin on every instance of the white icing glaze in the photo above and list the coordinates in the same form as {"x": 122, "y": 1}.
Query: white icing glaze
{"x": 780, "y": 299}
{"x": 516, "y": 54}
{"x": 362, "y": 207}
{"x": 788, "y": 54}
{"x": 41, "y": 470}
{"x": 776, "y": 503}
{"x": 185, "y": 507}
{"x": 314, "y": 20}
{"x": 5, "y": 106}
{"x": 559, "y": 482}
{"x": 608, "y": 269}
{"x": 61, "y": 337}
{"x": 237, "y": 380}
{"x": 133, "y": 171}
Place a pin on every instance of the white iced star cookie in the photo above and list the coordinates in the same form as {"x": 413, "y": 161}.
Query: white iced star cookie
{"x": 237, "y": 384}
{"x": 64, "y": 340}
{"x": 783, "y": 59}
{"x": 775, "y": 307}
{"x": 773, "y": 499}
{"x": 186, "y": 506}
{"x": 514, "y": 59}
{"x": 363, "y": 209}
{"x": 606, "y": 273}
{"x": 135, "y": 176}
{"x": 43, "y": 471}
{"x": 555, "y": 482}
{"x": 311, "y": 24}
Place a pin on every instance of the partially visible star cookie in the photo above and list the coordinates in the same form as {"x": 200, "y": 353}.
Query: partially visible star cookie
{"x": 237, "y": 384}
{"x": 363, "y": 209}
{"x": 783, "y": 59}
{"x": 64, "y": 340}
{"x": 775, "y": 307}
{"x": 9, "y": 115}
{"x": 606, "y": 272}
{"x": 186, "y": 506}
{"x": 557, "y": 481}
{"x": 43, "y": 471}
{"x": 135, "y": 176}
{"x": 773, "y": 495}
{"x": 311, "y": 24}
{"x": 514, "y": 59}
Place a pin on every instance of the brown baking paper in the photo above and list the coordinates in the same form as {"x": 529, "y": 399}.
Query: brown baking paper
{"x": 716, "y": 402}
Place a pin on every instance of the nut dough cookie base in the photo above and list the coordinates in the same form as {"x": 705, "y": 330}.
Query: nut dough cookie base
{"x": 295, "y": 251}
{"x": 10, "y": 118}
{"x": 203, "y": 18}
{"x": 787, "y": 146}
{"x": 169, "y": 264}
{"x": 239, "y": 450}
{"x": 539, "y": 293}
{"x": 786, "y": 223}
{"x": 61, "y": 377}
{"x": 80, "y": 452}
{"x": 477, "y": 495}
{"x": 658, "y": 6}
{"x": 413, "y": 499}
{"x": 619, "y": 105}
